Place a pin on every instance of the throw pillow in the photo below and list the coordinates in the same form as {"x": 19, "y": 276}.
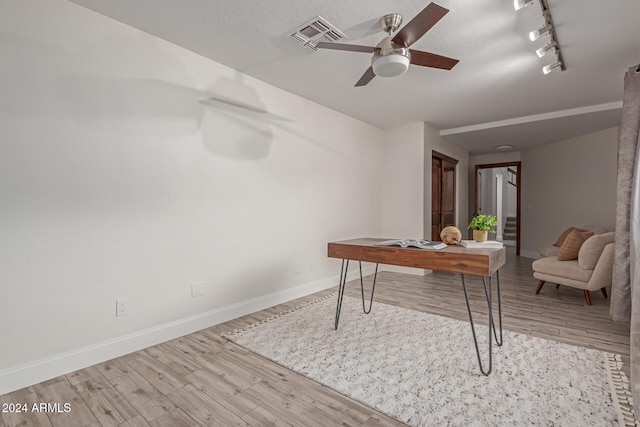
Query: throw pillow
{"x": 572, "y": 244}
{"x": 592, "y": 249}
{"x": 564, "y": 235}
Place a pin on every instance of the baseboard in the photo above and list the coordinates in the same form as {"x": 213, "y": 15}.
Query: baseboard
{"x": 405, "y": 270}
{"x": 21, "y": 376}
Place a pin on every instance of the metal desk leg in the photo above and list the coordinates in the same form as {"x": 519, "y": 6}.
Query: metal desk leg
{"x": 373, "y": 289}
{"x": 493, "y": 326}
{"x": 492, "y": 329}
{"x": 343, "y": 282}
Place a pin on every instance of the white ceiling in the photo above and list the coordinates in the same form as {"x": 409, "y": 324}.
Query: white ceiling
{"x": 496, "y": 95}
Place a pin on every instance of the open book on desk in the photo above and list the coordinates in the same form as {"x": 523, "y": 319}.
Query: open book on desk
{"x": 471, "y": 244}
{"x": 413, "y": 243}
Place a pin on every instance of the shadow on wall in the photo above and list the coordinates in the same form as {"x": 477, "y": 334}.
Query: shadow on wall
{"x": 142, "y": 107}
{"x": 108, "y": 95}
{"x": 130, "y": 87}
{"x": 237, "y": 125}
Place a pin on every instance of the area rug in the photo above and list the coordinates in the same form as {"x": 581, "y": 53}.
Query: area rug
{"x": 422, "y": 369}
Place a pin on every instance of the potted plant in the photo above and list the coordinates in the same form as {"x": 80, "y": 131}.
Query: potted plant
{"x": 481, "y": 225}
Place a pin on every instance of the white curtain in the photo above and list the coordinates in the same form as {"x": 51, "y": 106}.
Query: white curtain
{"x": 634, "y": 268}
{"x": 625, "y": 289}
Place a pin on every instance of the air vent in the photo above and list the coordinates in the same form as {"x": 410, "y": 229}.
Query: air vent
{"x": 314, "y": 31}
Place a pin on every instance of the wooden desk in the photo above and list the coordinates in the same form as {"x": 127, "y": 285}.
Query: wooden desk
{"x": 455, "y": 259}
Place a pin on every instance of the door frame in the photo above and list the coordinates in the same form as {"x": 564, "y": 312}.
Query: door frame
{"x": 518, "y": 193}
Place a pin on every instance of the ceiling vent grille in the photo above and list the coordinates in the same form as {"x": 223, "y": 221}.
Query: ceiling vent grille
{"x": 314, "y": 31}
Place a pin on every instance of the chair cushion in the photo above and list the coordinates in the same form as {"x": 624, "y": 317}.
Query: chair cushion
{"x": 592, "y": 248}
{"x": 546, "y": 251}
{"x": 554, "y": 270}
{"x": 571, "y": 245}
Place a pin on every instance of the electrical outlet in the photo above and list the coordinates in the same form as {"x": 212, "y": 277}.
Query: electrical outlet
{"x": 197, "y": 290}
{"x": 302, "y": 267}
{"x": 122, "y": 307}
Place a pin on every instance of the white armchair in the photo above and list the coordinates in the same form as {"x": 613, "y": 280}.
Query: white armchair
{"x": 592, "y": 270}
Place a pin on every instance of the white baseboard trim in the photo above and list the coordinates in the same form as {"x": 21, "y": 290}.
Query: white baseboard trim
{"x": 27, "y": 374}
{"x": 405, "y": 270}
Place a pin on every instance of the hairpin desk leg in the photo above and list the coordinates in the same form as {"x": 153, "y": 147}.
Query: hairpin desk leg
{"x": 492, "y": 330}
{"x": 373, "y": 289}
{"x": 343, "y": 283}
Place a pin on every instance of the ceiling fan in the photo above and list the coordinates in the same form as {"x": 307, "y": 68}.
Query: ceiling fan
{"x": 392, "y": 56}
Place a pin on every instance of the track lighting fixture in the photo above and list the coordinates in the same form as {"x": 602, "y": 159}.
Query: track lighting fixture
{"x": 535, "y": 34}
{"x": 521, "y": 4}
{"x": 553, "y": 45}
{"x": 546, "y": 49}
{"x": 549, "y": 68}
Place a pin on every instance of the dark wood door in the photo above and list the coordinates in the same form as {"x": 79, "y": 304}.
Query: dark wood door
{"x": 443, "y": 193}
{"x": 436, "y": 200}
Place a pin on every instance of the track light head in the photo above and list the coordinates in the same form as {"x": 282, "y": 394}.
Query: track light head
{"x": 551, "y": 67}
{"x": 535, "y": 34}
{"x": 521, "y": 4}
{"x": 546, "y": 49}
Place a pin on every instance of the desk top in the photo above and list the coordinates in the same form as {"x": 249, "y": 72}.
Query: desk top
{"x": 455, "y": 259}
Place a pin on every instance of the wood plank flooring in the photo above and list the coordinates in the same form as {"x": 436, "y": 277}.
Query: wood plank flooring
{"x": 204, "y": 380}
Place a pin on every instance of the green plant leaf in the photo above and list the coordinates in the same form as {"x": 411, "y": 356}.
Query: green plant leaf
{"x": 484, "y": 223}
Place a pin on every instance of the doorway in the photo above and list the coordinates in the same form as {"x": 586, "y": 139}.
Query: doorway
{"x": 443, "y": 193}
{"x": 497, "y": 192}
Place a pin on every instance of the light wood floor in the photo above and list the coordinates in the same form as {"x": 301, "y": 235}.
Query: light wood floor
{"x": 202, "y": 379}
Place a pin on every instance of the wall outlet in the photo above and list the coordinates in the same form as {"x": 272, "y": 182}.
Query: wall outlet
{"x": 197, "y": 290}
{"x": 302, "y": 267}
{"x": 122, "y": 307}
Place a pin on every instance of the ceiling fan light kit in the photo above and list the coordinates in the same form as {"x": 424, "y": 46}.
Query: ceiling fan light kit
{"x": 547, "y": 29}
{"x": 390, "y": 60}
{"x": 391, "y": 65}
{"x": 392, "y": 56}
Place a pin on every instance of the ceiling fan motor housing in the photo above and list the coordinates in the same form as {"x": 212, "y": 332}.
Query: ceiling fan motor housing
{"x": 390, "y": 60}
{"x": 390, "y": 23}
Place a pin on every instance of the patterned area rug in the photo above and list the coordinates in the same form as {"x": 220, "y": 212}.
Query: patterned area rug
{"x": 422, "y": 369}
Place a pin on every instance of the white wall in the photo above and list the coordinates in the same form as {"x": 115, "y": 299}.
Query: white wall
{"x": 571, "y": 182}
{"x": 116, "y": 183}
{"x": 402, "y": 184}
{"x": 434, "y": 142}
{"x": 402, "y": 210}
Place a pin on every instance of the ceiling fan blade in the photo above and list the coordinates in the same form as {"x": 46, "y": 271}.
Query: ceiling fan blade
{"x": 366, "y": 77}
{"x": 420, "y": 24}
{"x": 427, "y": 59}
{"x": 347, "y": 47}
